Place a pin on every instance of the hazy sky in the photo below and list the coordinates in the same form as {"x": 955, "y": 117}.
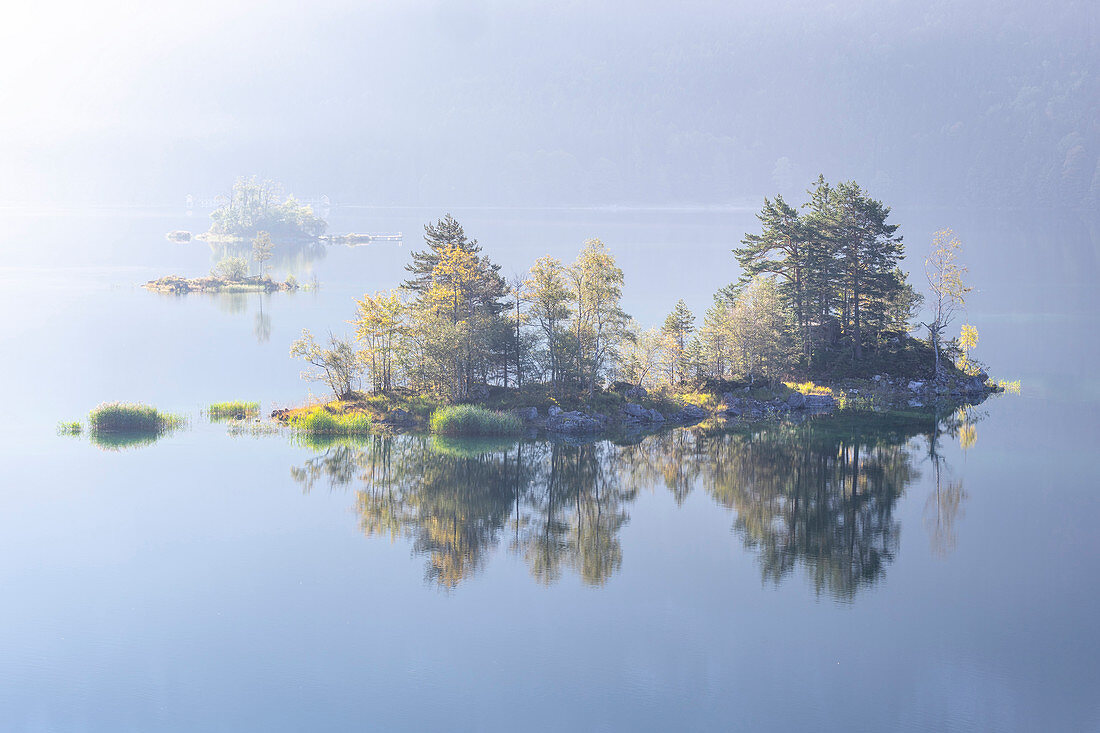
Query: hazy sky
{"x": 550, "y": 103}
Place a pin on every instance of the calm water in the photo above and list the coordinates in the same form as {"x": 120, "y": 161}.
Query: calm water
{"x": 856, "y": 575}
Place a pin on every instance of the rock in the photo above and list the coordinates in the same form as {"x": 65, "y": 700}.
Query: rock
{"x": 478, "y": 392}
{"x": 797, "y": 401}
{"x": 916, "y": 403}
{"x": 636, "y": 393}
{"x": 398, "y": 415}
{"x": 554, "y": 411}
{"x": 631, "y": 410}
{"x": 527, "y": 413}
{"x": 915, "y": 386}
{"x": 689, "y": 413}
{"x": 655, "y": 416}
{"x": 877, "y": 378}
{"x": 975, "y": 385}
{"x": 573, "y": 422}
{"x": 820, "y": 402}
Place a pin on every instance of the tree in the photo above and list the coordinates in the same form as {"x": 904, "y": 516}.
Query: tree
{"x": 231, "y": 268}
{"x": 261, "y": 250}
{"x": 442, "y": 237}
{"x": 380, "y": 327}
{"x": 781, "y": 249}
{"x": 338, "y": 366}
{"x": 642, "y": 355}
{"x": 549, "y": 297}
{"x": 599, "y": 321}
{"x": 945, "y": 279}
{"x": 869, "y": 252}
{"x": 757, "y": 331}
{"x": 678, "y": 326}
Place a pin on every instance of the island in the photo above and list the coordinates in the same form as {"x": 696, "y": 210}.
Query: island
{"x": 821, "y": 318}
{"x": 177, "y": 284}
{"x": 256, "y": 206}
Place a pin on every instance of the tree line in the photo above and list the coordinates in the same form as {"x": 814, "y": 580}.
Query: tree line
{"x": 819, "y": 283}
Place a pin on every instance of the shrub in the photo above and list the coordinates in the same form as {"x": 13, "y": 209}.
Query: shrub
{"x": 808, "y": 388}
{"x": 320, "y": 421}
{"x": 474, "y": 420}
{"x": 231, "y": 268}
{"x": 235, "y": 410}
{"x": 121, "y": 417}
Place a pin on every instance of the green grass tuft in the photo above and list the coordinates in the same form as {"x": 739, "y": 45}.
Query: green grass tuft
{"x": 70, "y": 427}
{"x": 320, "y": 421}
{"x": 121, "y": 417}
{"x": 474, "y": 420}
{"x": 235, "y": 410}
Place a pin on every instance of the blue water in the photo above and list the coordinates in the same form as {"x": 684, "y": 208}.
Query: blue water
{"x": 195, "y": 584}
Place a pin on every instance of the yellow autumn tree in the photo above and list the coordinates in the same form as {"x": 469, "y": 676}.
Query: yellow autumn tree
{"x": 379, "y": 328}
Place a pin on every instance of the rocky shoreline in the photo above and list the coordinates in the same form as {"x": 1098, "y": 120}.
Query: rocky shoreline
{"x": 741, "y": 406}
{"x": 883, "y": 393}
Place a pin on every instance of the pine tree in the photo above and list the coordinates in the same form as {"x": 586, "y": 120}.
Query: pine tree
{"x": 783, "y": 249}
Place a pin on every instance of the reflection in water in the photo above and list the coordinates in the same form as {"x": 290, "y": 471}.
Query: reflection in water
{"x": 262, "y": 328}
{"x": 818, "y": 496}
{"x": 293, "y": 258}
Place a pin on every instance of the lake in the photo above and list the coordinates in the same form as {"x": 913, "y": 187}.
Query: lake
{"x": 859, "y": 574}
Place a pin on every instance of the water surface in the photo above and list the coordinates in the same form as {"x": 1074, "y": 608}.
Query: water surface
{"x": 866, "y": 574}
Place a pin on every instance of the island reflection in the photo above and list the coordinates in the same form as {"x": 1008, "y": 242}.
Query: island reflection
{"x": 817, "y": 496}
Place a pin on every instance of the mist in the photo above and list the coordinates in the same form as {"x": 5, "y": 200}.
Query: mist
{"x": 566, "y": 104}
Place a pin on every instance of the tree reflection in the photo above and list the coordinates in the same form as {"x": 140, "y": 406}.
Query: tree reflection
{"x": 819, "y": 496}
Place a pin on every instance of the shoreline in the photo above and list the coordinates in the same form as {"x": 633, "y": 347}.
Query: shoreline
{"x": 637, "y": 411}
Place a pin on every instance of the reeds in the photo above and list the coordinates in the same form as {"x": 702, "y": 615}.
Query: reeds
{"x": 320, "y": 421}
{"x": 125, "y": 417}
{"x": 234, "y": 410}
{"x": 474, "y": 420}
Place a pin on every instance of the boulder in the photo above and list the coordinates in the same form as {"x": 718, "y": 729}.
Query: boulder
{"x": 636, "y": 393}
{"x": 689, "y": 413}
{"x": 527, "y": 413}
{"x": 820, "y": 402}
{"x": 398, "y": 415}
{"x": 915, "y": 386}
{"x": 797, "y": 401}
{"x": 573, "y": 422}
{"x": 634, "y": 411}
{"x": 554, "y": 411}
{"x": 975, "y": 385}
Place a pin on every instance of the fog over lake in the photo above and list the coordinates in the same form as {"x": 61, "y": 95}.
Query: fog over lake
{"x": 877, "y": 569}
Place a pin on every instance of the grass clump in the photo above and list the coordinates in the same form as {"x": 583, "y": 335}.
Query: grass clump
{"x": 474, "y": 420}
{"x": 1012, "y": 387}
{"x": 320, "y": 421}
{"x": 70, "y": 427}
{"x": 134, "y": 418}
{"x": 235, "y": 410}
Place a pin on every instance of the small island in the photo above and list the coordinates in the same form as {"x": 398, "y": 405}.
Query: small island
{"x": 177, "y": 284}
{"x": 259, "y": 206}
{"x": 821, "y": 319}
{"x": 230, "y": 275}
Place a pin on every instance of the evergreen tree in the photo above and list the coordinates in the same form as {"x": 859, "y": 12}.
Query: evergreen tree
{"x": 782, "y": 249}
